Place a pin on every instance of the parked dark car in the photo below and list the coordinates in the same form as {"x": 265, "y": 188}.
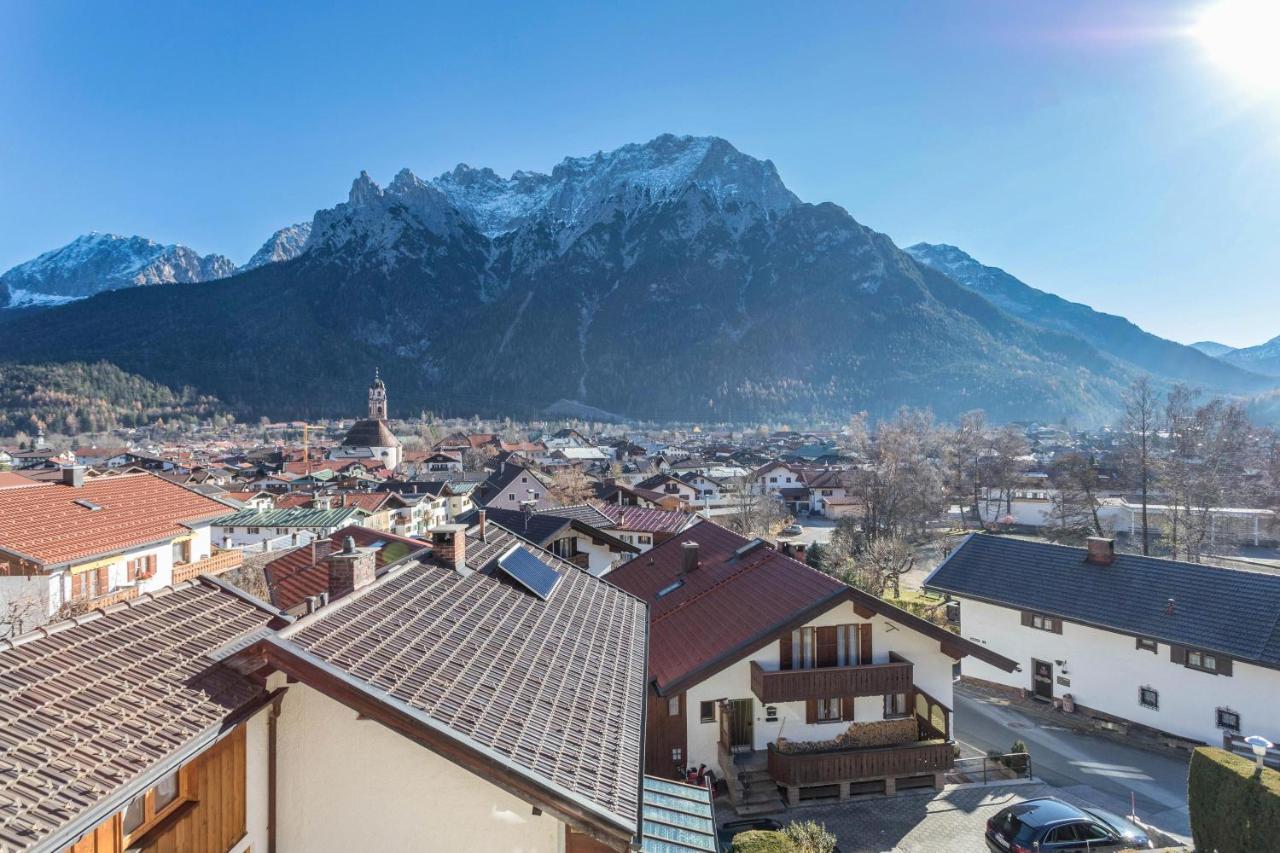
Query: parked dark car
{"x": 1047, "y": 825}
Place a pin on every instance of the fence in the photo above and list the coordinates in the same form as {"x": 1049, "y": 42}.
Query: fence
{"x": 991, "y": 768}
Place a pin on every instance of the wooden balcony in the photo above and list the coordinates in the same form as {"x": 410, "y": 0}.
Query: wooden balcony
{"x": 852, "y": 765}
{"x": 215, "y": 564}
{"x": 800, "y": 685}
{"x": 124, "y": 593}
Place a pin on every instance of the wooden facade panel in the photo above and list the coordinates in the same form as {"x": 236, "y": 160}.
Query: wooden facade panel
{"x": 824, "y": 768}
{"x": 212, "y": 820}
{"x": 578, "y": 842}
{"x": 665, "y": 733}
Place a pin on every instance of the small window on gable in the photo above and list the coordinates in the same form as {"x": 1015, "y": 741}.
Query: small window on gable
{"x": 677, "y": 755}
{"x": 1201, "y": 660}
{"x": 707, "y": 712}
{"x": 1228, "y": 719}
{"x": 1148, "y": 645}
{"x": 673, "y": 706}
{"x": 1149, "y": 697}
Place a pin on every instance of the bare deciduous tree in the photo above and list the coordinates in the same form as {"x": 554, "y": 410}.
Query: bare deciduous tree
{"x": 1141, "y": 428}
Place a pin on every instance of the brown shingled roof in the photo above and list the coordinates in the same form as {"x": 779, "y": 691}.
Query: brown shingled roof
{"x": 552, "y": 690}
{"x": 87, "y": 708}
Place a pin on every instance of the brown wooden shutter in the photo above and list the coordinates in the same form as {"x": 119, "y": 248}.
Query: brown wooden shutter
{"x": 1178, "y": 654}
{"x": 104, "y": 579}
{"x": 864, "y": 644}
{"x": 1224, "y": 665}
{"x": 811, "y": 711}
{"x": 826, "y": 653}
{"x": 151, "y": 565}
{"x": 1026, "y": 618}
{"x": 784, "y": 651}
{"x": 846, "y": 709}
{"x": 1057, "y": 626}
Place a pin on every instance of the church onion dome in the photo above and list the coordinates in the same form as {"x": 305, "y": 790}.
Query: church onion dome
{"x": 370, "y": 433}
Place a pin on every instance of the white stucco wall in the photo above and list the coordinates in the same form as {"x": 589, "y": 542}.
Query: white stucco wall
{"x": 932, "y": 673}
{"x": 346, "y": 784}
{"x": 256, "y": 779}
{"x": 1106, "y": 670}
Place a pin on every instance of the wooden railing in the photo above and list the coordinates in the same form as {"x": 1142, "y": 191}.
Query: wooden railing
{"x": 798, "y": 685}
{"x": 217, "y": 563}
{"x": 850, "y": 765}
{"x": 124, "y": 593}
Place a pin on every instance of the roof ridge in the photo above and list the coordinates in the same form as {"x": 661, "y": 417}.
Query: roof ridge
{"x": 984, "y": 536}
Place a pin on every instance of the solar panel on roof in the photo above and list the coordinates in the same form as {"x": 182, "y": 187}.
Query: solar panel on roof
{"x": 530, "y": 572}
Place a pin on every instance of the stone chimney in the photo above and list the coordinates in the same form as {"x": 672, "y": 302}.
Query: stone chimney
{"x": 1102, "y": 551}
{"x": 689, "y": 555}
{"x": 350, "y": 569}
{"x": 73, "y": 476}
{"x": 449, "y": 545}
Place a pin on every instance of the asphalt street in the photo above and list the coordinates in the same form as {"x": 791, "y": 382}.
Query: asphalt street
{"x": 1095, "y": 768}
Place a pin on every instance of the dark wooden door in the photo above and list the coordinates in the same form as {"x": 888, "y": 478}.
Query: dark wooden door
{"x": 1042, "y": 679}
{"x": 828, "y": 648}
{"x": 743, "y": 719}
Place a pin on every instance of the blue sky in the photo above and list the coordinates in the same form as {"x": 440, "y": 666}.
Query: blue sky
{"x": 1087, "y": 147}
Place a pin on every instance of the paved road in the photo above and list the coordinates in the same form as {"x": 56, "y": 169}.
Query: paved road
{"x": 1092, "y": 767}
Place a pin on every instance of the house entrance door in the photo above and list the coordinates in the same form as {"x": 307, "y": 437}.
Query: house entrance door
{"x": 743, "y": 719}
{"x": 1042, "y": 680}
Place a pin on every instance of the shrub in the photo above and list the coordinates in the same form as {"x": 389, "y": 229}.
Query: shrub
{"x": 1233, "y": 806}
{"x": 1017, "y": 763}
{"x": 810, "y": 837}
{"x": 763, "y": 841}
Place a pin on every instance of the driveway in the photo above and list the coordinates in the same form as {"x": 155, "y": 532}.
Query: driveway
{"x": 816, "y": 529}
{"x": 1093, "y": 767}
{"x": 949, "y": 821}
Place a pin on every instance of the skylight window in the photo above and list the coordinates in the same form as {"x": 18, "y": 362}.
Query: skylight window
{"x": 89, "y": 505}
{"x": 670, "y": 588}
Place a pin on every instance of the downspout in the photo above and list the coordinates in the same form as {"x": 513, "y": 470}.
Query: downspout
{"x": 272, "y": 725}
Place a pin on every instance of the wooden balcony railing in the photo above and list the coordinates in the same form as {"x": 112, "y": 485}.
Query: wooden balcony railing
{"x": 799, "y": 685}
{"x": 851, "y": 765}
{"x": 215, "y": 564}
{"x": 124, "y": 593}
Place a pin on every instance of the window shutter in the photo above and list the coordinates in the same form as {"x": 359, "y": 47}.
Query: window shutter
{"x": 846, "y": 708}
{"x": 1026, "y": 618}
{"x": 784, "y": 651}
{"x": 811, "y": 711}
{"x": 826, "y": 646}
{"x": 1224, "y": 665}
{"x": 864, "y": 644}
{"x": 1057, "y": 626}
{"x": 1178, "y": 654}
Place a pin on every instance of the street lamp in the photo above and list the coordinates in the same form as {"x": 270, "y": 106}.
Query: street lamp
{"x": 1259, "y": 745}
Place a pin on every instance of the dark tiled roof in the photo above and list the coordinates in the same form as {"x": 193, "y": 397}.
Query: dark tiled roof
{"x": 506, "y": 479}
{"x": 88, "y": 708}
{"x": 555, "y": 687}
{"x": 538, "y": 528}
{"x": 1230, "y": 611}
{"x": 585, "y": 513}
{"x": 370, "y": 433}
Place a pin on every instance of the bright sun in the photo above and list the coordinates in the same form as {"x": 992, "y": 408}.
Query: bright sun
{"x": 1243, "y": 38}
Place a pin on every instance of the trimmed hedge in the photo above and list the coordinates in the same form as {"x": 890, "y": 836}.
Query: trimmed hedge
{"x": 762, "y": 841}
{"x": 1234, "y": 809}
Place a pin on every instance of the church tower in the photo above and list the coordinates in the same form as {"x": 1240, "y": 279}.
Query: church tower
{"x": 377, "y": 398}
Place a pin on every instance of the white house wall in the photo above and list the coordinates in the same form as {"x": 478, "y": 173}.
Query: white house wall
{"x": 932, "y": 673}
{"x": 1106, "y": 670}
{"x": 348, "y": 784}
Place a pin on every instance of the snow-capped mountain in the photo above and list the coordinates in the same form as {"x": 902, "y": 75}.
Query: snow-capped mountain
{"x": 284, "y": 245}
{"x": 1112, "y": 335}
{"x": 96, "y": 262}
{"x": 1263, "y": 358}
{"x": 1212, "y": 348}
{"x": 675, "y": 279}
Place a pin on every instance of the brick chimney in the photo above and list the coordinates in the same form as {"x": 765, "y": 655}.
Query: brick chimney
{"x": 689, "y": 555}
{"x": 1102, "y": 551}
{"x": 481, "y": 519}
{"x": 449, "y": 544}
{"x": 350, "y": 569}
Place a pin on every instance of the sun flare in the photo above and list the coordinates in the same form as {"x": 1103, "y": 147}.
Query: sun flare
{"x": 1242, "y": 37}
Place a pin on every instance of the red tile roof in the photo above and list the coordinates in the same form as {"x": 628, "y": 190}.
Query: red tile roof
{"x": 295, "y": 576}
{"x": 9, "y": 480}
{"x": 46, "y": 524}
{"x": 735, "y": 601}
{"x": 724, "y": 603}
